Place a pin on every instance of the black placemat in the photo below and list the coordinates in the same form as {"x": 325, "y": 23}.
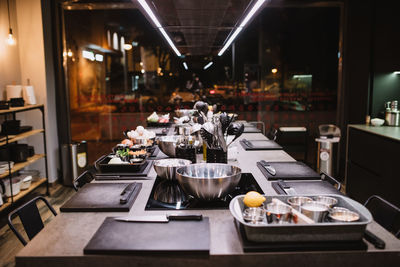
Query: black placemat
{"x": 116, "y": 237}
{"x": 100, "y": 197}
{"x": 251, "y": 145}
{"x": 289, "y": 171}
{"x": 249, "y": 246}
{"x": 307, "y": 187}
{"x": 139, "y": 175}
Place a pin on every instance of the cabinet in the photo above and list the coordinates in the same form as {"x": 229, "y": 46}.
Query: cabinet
{"x": 9, "y": 139}
{"x": 373, "y": 163}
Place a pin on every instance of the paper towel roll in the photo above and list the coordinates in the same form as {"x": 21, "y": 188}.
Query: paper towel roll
{"x": 13, "y": 91}
{"x": 29, "y": 95}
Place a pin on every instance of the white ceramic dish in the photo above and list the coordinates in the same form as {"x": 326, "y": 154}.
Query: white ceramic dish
{"x": 26, "y": 182}
{"x": 16, "y": 186}
{"x": 377, "y": 122}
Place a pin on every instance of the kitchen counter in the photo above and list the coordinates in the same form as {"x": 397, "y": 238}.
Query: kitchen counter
{"x": 384, "y": 131}
{"x": 62, "y": 241}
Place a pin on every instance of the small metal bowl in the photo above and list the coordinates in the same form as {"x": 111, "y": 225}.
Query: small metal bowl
{"x": 166, "y": 168}
{"x": 329, "y": 201}
{"x": 315, "y": 210}
{"x": 254, "y": 215}
{"x": 278, "y": 213}
{"x": 296, "y": 202}
{"x": 343, "y": 215}
{"x": 167, "y": 144}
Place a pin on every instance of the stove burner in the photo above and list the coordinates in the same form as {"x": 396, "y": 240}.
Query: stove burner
{"x": 167, "y": 195}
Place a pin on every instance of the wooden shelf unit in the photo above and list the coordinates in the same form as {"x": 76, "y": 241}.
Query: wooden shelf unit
{"x": 21, "y": 165}
{"x": 21, "y": 136}
{"x": 22, "y": 193}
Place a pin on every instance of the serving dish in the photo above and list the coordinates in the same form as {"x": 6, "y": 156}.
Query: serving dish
{"x": 303, "y": 232}
{"x": 102, "y": 164}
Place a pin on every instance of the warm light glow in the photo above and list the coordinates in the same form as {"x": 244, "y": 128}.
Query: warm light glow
{"x": 299, "y": 76}
{"x": 397, "y": 72}
{"x": 274, "y": 70}
{"x": 99, "y": 57}
{"x": 141, "y": 63}
{"x": 185, "y": 66}
{"x": 142, "y": 71}
{"x": 69, "y": 53}
{"x": 149, "y": 12}
{"x": 88, "y": 55}
{"x": 11, "y": 39}
{"x": 208, "y": 65}
{"x": 212, "y": 92}
{"x": 127, "y": 47}
{"x": 241, "y": 26}
{"x": 170, "y": 74}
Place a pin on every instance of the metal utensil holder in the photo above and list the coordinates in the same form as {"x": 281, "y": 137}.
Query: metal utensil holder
{"x": 216, "y": 155}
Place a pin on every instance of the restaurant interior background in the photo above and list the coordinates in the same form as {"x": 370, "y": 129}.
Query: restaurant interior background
{"x": 118, "y": 69}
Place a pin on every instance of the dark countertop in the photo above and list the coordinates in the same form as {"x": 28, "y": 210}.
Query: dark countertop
{"x": 62, "y": 241}
{"x": 384, "y": 131}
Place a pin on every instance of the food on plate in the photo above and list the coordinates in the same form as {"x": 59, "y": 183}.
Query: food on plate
{"x": 127, "y": 142}
{"x": 253, "y": 199}
{"x": 140, "y": 133}
{"x": 156, "y": 118}
{"x": 138, "y": 152}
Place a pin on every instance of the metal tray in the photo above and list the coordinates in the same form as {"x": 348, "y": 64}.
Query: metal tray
{"x": 323, "y": 231}
{"x": 103, "y": 166}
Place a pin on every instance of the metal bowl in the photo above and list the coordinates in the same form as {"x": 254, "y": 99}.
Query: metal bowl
{"x": 167, "y": 144}
{"x": 278, "y": 213}
{"x": 296, "y": 202}
{"x": 329, "y": 201}
{"x": 185, "y": 112}
{"x": 343, "y": 215}
{"x": 208, "y": 181}
{"x": 166, "y": 168}
{"x": 315, "y": 210}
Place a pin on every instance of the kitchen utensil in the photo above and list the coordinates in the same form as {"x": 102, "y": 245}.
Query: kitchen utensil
{"x": 169, "y": 192}
{"x": 167, "y": 144}
{"x": 201, "y": 107}
{"x": 237, "y": 130}
{"x": 206, "y": 136}
{"x": 278, "y": 213}
{"x": 296, "y": 202}
{"x": 291, "y": 170}
{"x": 297, "y": 216}
{"x": 160, "y": 218}
{"x": 269, "y": 168}
{"x": 392, "y": 114}
{"x": 251, "y": 145}
{"x": 220, "y": 136}
{"x": 329, "y": 201}
{"x": 315, "y": 210}
{"x": 224, "y": 119}
{"x": 166, "y": 168}
{"x": 343, "y": 215}
{"x": 375, "y": 240}
{"x": 208, "y": 181}
{"x": 254, "y": 215}
{"x": 185, "y": 112}
{"x": 26, "y": 182}
{"x": 287, "y": 188}
{"x": 34, "y": 173}
{"x": 127, "y": 193}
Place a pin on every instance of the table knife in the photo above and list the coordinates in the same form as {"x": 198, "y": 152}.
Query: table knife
{"x": 285, "y": 187}
{"x": 269, "y": 168}
{"x": 127, "y": 193}
{"x": 160, "y": 218}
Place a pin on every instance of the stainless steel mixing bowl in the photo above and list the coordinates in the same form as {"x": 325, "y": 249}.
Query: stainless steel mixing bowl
{"x": 208, "y": 181}
{"x": 167, "y": 144}
{"x": 166, "y": 168}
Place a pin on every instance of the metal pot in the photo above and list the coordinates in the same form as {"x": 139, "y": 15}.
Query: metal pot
{"x": 166, "y": 168}
{"x": 208, "y": 181}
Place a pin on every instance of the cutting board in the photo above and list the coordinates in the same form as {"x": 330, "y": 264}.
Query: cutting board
{"x": 289, "y": 171}
{"x": 251, "y": 145}
{"x": 116, "y": 237}
{"x": 100, "y": 197}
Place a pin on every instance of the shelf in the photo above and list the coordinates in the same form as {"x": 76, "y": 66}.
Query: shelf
{"x": 24, "y": 135}
{"x": 21, "y": 165}
{"x": 22, "y": 193}
{"x": 20, "y": 109}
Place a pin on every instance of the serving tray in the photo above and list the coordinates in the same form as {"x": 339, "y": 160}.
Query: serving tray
{"x": 322, "y": 231}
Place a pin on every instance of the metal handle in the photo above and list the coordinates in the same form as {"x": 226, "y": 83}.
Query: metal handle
{"x": 193, "y": 217}
{"x": 331, "y": 180}
{"x": 127, "y": 195}
{"x": 96, "y": 163}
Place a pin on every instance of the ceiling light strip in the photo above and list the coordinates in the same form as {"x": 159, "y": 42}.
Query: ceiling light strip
{"x": 149, "y": 12}
{"x": 249, "y": 15}
{"x": 185, "y": 66}
{"x": 208, "y": 65}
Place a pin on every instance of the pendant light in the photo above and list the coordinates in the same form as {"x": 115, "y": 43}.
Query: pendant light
{"x": 10, "y": 39}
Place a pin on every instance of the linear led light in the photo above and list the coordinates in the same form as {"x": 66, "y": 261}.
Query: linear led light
{"x": 88, "y": 55}
{"x": 149, "y": 12}
{"x": 302, "y": 76}
{"x": 241, "y": 26}
{"x": 185, "y": 65}
{"x": 397, "y": 72}
{"x": 208, "y": 65}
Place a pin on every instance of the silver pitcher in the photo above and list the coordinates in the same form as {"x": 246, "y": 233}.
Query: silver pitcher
{"x": 392, "y": 113}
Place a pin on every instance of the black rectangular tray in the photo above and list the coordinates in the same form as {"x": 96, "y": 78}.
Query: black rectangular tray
{"x": 251, "y": 145}
{"x": 157, "y": 124}
{"x": 295, "y": 170}
{"x": 103, "y": 166}
{"x": 139, "y": 175}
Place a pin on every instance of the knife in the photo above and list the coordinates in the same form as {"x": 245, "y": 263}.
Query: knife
{"x": 127, "y": 193}
{"x": 269, "y": 168}
{"x": 285, "y": 187}
{"x": 160, "y": 218}
{"x": 247, "y": 142}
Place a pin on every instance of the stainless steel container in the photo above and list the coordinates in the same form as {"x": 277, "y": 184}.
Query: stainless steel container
{"x": 278, "y": 213}
{"x": 296, "y": 202}
{"x": 315, "y": 210}
{"x": 167, "y": 144}
{"x": 166, "y": 168}
{"x": 392, "y": 114}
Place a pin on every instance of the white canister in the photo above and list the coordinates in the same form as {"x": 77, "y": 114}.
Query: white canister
{"x": 29, "y": 95}
{"x": 13, "y": 91}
